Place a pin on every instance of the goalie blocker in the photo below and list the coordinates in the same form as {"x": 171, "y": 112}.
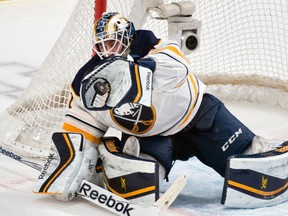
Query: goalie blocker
{"x": 257, "y": 180}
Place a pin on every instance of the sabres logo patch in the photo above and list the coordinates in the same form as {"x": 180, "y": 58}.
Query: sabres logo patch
{"x": 135, "y": 118}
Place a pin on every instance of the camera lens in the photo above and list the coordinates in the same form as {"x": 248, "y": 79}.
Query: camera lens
{"x": 191, "y": 42}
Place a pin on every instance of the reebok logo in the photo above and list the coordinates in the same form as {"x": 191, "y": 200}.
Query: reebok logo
{"x": 10, "y": 154}
{"x": 231, "y": 140}
{"x": 46, "y": 166}
{"x": 105, "y": 200}
{"x": 148, "y": 81}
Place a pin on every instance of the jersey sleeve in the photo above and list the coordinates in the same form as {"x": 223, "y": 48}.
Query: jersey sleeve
{"x": 172, "y": 67}
{"x": 78, "y": 120}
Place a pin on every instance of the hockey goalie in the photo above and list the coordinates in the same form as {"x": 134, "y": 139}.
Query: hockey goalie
{"x": 135, "y": 108}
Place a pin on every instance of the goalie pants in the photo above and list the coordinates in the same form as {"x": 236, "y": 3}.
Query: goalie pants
{"x": 212, "y": 136}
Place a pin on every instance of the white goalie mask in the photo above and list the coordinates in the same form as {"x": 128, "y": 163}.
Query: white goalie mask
{"x": 113, "y": 35}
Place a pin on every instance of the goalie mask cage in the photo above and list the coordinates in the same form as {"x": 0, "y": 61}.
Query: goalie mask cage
{"x": 242, "y": 56}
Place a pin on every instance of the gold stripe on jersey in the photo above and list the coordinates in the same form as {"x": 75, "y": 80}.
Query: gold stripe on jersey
{"x": 172, "y": 48}
{"x": 194, "y": 97}
{"x": 71, "y": 128}
{"x": 180, "y": 84}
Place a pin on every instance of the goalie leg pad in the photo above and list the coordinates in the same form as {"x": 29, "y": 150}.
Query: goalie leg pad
{"x": 130, "y": 177}
{"x": 70, "y": 161}
{"x": 258, "y": 180}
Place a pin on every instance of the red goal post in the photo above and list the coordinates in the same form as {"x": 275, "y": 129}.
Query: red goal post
{"x": 100, "y": 7}
{"x": 242, "y": 56}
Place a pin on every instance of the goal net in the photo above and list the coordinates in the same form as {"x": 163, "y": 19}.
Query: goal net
{"x": 242, "y": 56}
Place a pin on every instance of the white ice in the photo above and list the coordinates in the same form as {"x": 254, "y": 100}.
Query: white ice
{"x": 28, "y": 30}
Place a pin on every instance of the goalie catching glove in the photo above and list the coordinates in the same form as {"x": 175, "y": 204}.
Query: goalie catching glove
{"x": 70, "y": 161}
{"x": 115, "y": 81}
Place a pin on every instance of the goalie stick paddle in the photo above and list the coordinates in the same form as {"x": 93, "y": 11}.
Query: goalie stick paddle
{"x": 108, "y": 200}
{"x": 171, "y": 194}
{"x": 113, "y": 202}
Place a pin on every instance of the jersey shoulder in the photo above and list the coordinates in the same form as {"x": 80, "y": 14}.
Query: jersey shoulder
{"x": 168, "y": 47}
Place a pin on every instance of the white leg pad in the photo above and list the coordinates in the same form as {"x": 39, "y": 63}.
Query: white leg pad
{"x": 70, "y": 161}
{"x": 258, "y": 180}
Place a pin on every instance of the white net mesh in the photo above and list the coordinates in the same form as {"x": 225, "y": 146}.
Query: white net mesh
{"x": 242, "y": 42}
{"x": 41, "y": 108}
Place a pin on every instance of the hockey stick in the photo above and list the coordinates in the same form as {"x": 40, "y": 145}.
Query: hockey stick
{"x": 108, "y": 200}
{"x": 9, "y": 153}
{"x": 121, "y": 206}
{"x": 171, "y": 194}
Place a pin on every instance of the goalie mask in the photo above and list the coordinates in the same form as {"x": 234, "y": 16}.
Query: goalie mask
{"x": 113, "y": 35}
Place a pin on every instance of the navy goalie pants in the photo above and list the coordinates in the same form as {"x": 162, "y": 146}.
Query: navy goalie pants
{"x": 212, "y": 136}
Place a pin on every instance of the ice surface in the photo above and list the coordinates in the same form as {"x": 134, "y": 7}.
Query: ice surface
{"x": 28, "y": 30}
